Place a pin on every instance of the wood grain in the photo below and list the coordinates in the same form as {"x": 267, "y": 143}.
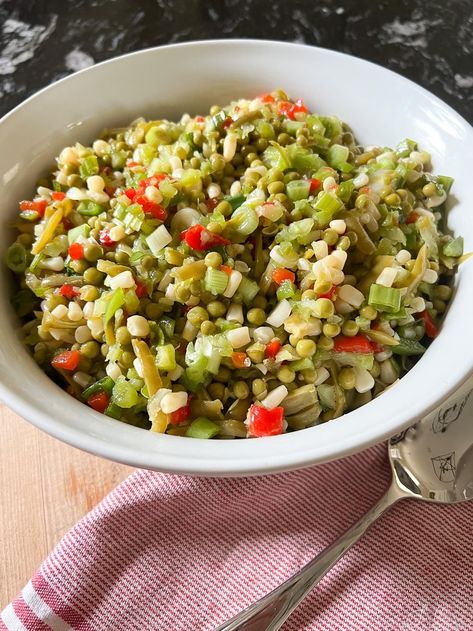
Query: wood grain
{"x": 45, "y": 488}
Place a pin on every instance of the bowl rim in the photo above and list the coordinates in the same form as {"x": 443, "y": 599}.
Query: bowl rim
{"x": 222, "y": 462}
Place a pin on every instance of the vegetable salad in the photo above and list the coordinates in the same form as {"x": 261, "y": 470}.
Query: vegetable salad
{"x": 245, "y": 273}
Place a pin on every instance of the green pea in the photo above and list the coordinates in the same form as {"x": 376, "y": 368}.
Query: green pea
{"x": 225, "y": 208}
{"x": 330, "y": 236}
{"x": 258, "y": 387}
{"x": 79, "y": 266}
{"x": 93, "y": 277}
{"x": 122, "y": 258}
{"x": 276, "y": 187}
{"x": 217, "y": 162}
{"x": 260, "y": 301}
{"x": 216, "y": 309}
{"x": 216, "y": 390}
{"x": 331, "y": 330}
{"x": 286, "y": 375}
{"x": 309, "y": 375}
{"x": 126, "y": 359}
{"x": 207, "y": 327}
{"x": 256, "y": 316}
{"x": 305, "y": 348}
{"x": 350, "y": 328}
{"x": 213, "y": 259}
{"x": 240, "y": 390}
{"x": 92, "y": 252}
{"x": 147, "y": 262}
{"x": 347, "y": 378}
{"x": 325, "y": 343}
{"x": 223, "y": 375}
{"x": 153, "y": 311}
{"x": 123, "y": 336}
{"x": 183, "y": 293}
{"x": 90, "y": 349}
{"x": 368, "y": 312}
{"x": 197, "y": 315}
{"x": 89, "y": 293}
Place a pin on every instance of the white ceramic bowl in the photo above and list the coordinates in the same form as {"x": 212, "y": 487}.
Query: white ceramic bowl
{"x": 382, "y": 108}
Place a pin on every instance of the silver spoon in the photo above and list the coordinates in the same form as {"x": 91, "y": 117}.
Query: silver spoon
{"x": 432, "y": 461}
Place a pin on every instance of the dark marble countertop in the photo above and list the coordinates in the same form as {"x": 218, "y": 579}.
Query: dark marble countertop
{"x": 429, "y": 41}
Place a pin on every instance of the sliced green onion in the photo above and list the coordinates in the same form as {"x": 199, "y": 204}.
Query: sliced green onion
{"x": 167, "y": 326}
{"x": 445, "y": 182}
{"x": 88, "y": 208}
{"x": 166, "y": 357}
{"x": 265, "y": 129}
{"x": 298, "y": 189}
{"x": 345, "y": 190}
{"x": 357, "y": 360}
{"x": 114, "y": 411}
{"x": 244, "y": 220}
{"x": 215, "y": 281}
{"x": 327, "y": 206}
{"x": 408, "y": 347}
{"x": 405, "y": 147}
{"x": 275, "y": 157}
{"x": 103, "y": 385}
{"x": 295, "y": 230}
{"x": 79, "y": 231}
{"x": 235, "y": 201}
{"x": 286, "y": 290}
{"x": 385, "y": 298}
{"x": 17, "y": 258}
{"x": 337, "y": 156}
{"x": 333, "y": 126}
{"x": 115, "y": 302}
{"x": 454, "y": 248}
{"x": 158, "y": 240}
{"x": 302, "y": 160}
{"x": 202, "y": 428}
{"x": 88, "y": 166}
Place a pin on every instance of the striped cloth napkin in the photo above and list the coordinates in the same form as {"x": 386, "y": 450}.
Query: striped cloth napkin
{"x": 169, "y": 553}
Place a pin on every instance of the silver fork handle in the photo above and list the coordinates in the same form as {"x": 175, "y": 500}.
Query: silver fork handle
{"x": 270, "y": 612}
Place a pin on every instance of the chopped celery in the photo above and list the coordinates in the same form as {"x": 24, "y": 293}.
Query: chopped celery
{"x": 302, "y": 160}
{"x": 215, "y": 281}
{"x": 324, "y": 172}
{"x": 158, "y": 240}
{"x": 405, "y": 147}
{"x": 453, "y": 248}
{"x": 166, "y": 357}
{"x": 295, "y": 230}
{"x": 265, "y": 129}
{"x": 79, "y": 231}
{"x": 195, "y": 374}
{"x": 103, "y": 385}
{"x": 385, "y": 298}
{"x": 408, "y": 347}
{"x": 357, "y": 360}
{"x": 298, "y": 189}
{"x": 114, "y": 411}
{"x": 123, "y": 394}
{"x": 345, "y": 190}
{"x": 191, "y": 179}
{"x": 337, "y": 156}
{"x": 302, "y": 364}
{"x": 445, "y": 182}
{"x": 202, "y": 427}
{"x": 247, "y": 290}
{"x": 115, "y": 300}
{"x": 88, "y": 166}
{"x": 235, "y": 201}
{"x": 327, "y": 396}
{"x": 275, "y": 157}
{"x": 88, "y": 208}
{"x": 327, "y": 206}
{"x": 286, "y": 290}
{"x": 332, "y": 125}
{"x": 17, "y": 258}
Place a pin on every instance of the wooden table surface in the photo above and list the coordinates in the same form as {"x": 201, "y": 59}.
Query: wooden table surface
{"x": 45, "y": 488}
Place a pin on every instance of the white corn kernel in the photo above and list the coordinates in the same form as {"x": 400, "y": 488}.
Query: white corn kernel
{"x": 320, "y": 249}
{"x": 74, "y": 313}
{"x": 329, "y": 183}
{"x": 363, "y": 380}
{"x": 95, "y": 183}
{"x": 175, "y": 162}
{"x": 213, "y": 190}
{"x": 83, "y": 334}
{"x": 387, "y": 374}
{"x": 173, "y": 401}
{"x": 338, "y": 225}
{"x": 88, "y": 310}
{"x": 234, "y": 281}
{"x": 61, "y": 335}
{"x": 116, "y": 233}
{"x": 417, "y": 304}
{"x": 430, "y": 276}
{"x": 138, "y": 366}
{"x": 69, "y": 156}
{"x": 403, "y": 256}
{"x": 59, "y": 312}
{"x": 113, "y": 371}
{"x": 189, "y": 332}
{"x": 275, "y": 397}
{"x": 61, "y": 177}
{"x": 351, "y": 294}
{"x": 279, "y": 314}
{"x": 239, "y": 337}
{"x": 137, "y": 326}
{"x": 55, "y": 264}
{"x": 96, "y": 327}
{"x": 101, "y": 147}
{"x": 235, "y": 188}
{"x": 336, "y": 259}
{"x": 124, "y": 280}
{"x": 263, "y": 334}
{"x": 176, "y": 374}
{"x": 229, "y": 147}
{"x": 153, "y": 194}
{"x": 360, "y": 180}
{"x": 387, "y": 277}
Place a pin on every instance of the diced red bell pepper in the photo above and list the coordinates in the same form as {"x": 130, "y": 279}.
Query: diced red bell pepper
{"x": 151, "y": 208}
{"x": 38, "y": 206}
{"x": 199, "y": 238}
{"x": 141, "y": 290}
{"x": 99, "y": 401}
{"x": 105, "y": 238}
{"x": 240, "y": 360}
{"x": 132, "y": 163}
{"x": 272, "y": 349}
{"x": 227, "y": 269}
{"x": 355, "y": 344}
{"x": 263, "y": 422}
{"x": 315, "y": 184}
{"x": 58, "y": 196}
{"x": 377, "y": 348}
{"x": 267, "y": 98}
{"x": 181, "y": 415}
{"x": 68, "y": 291}
{"x": 68, "y": 360}
{"x": 412, "y": 217}
{"x": 431, "y": 328}
{"x": 330, "y": 293}
{"x": 76, "y": 251}
{"x": 286, "y": 108}
{"x": 199, "y": 119}
{"x": 281, "y": 274}
{"x": 211, "y": 204}
{"x": 227, "y": 122}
